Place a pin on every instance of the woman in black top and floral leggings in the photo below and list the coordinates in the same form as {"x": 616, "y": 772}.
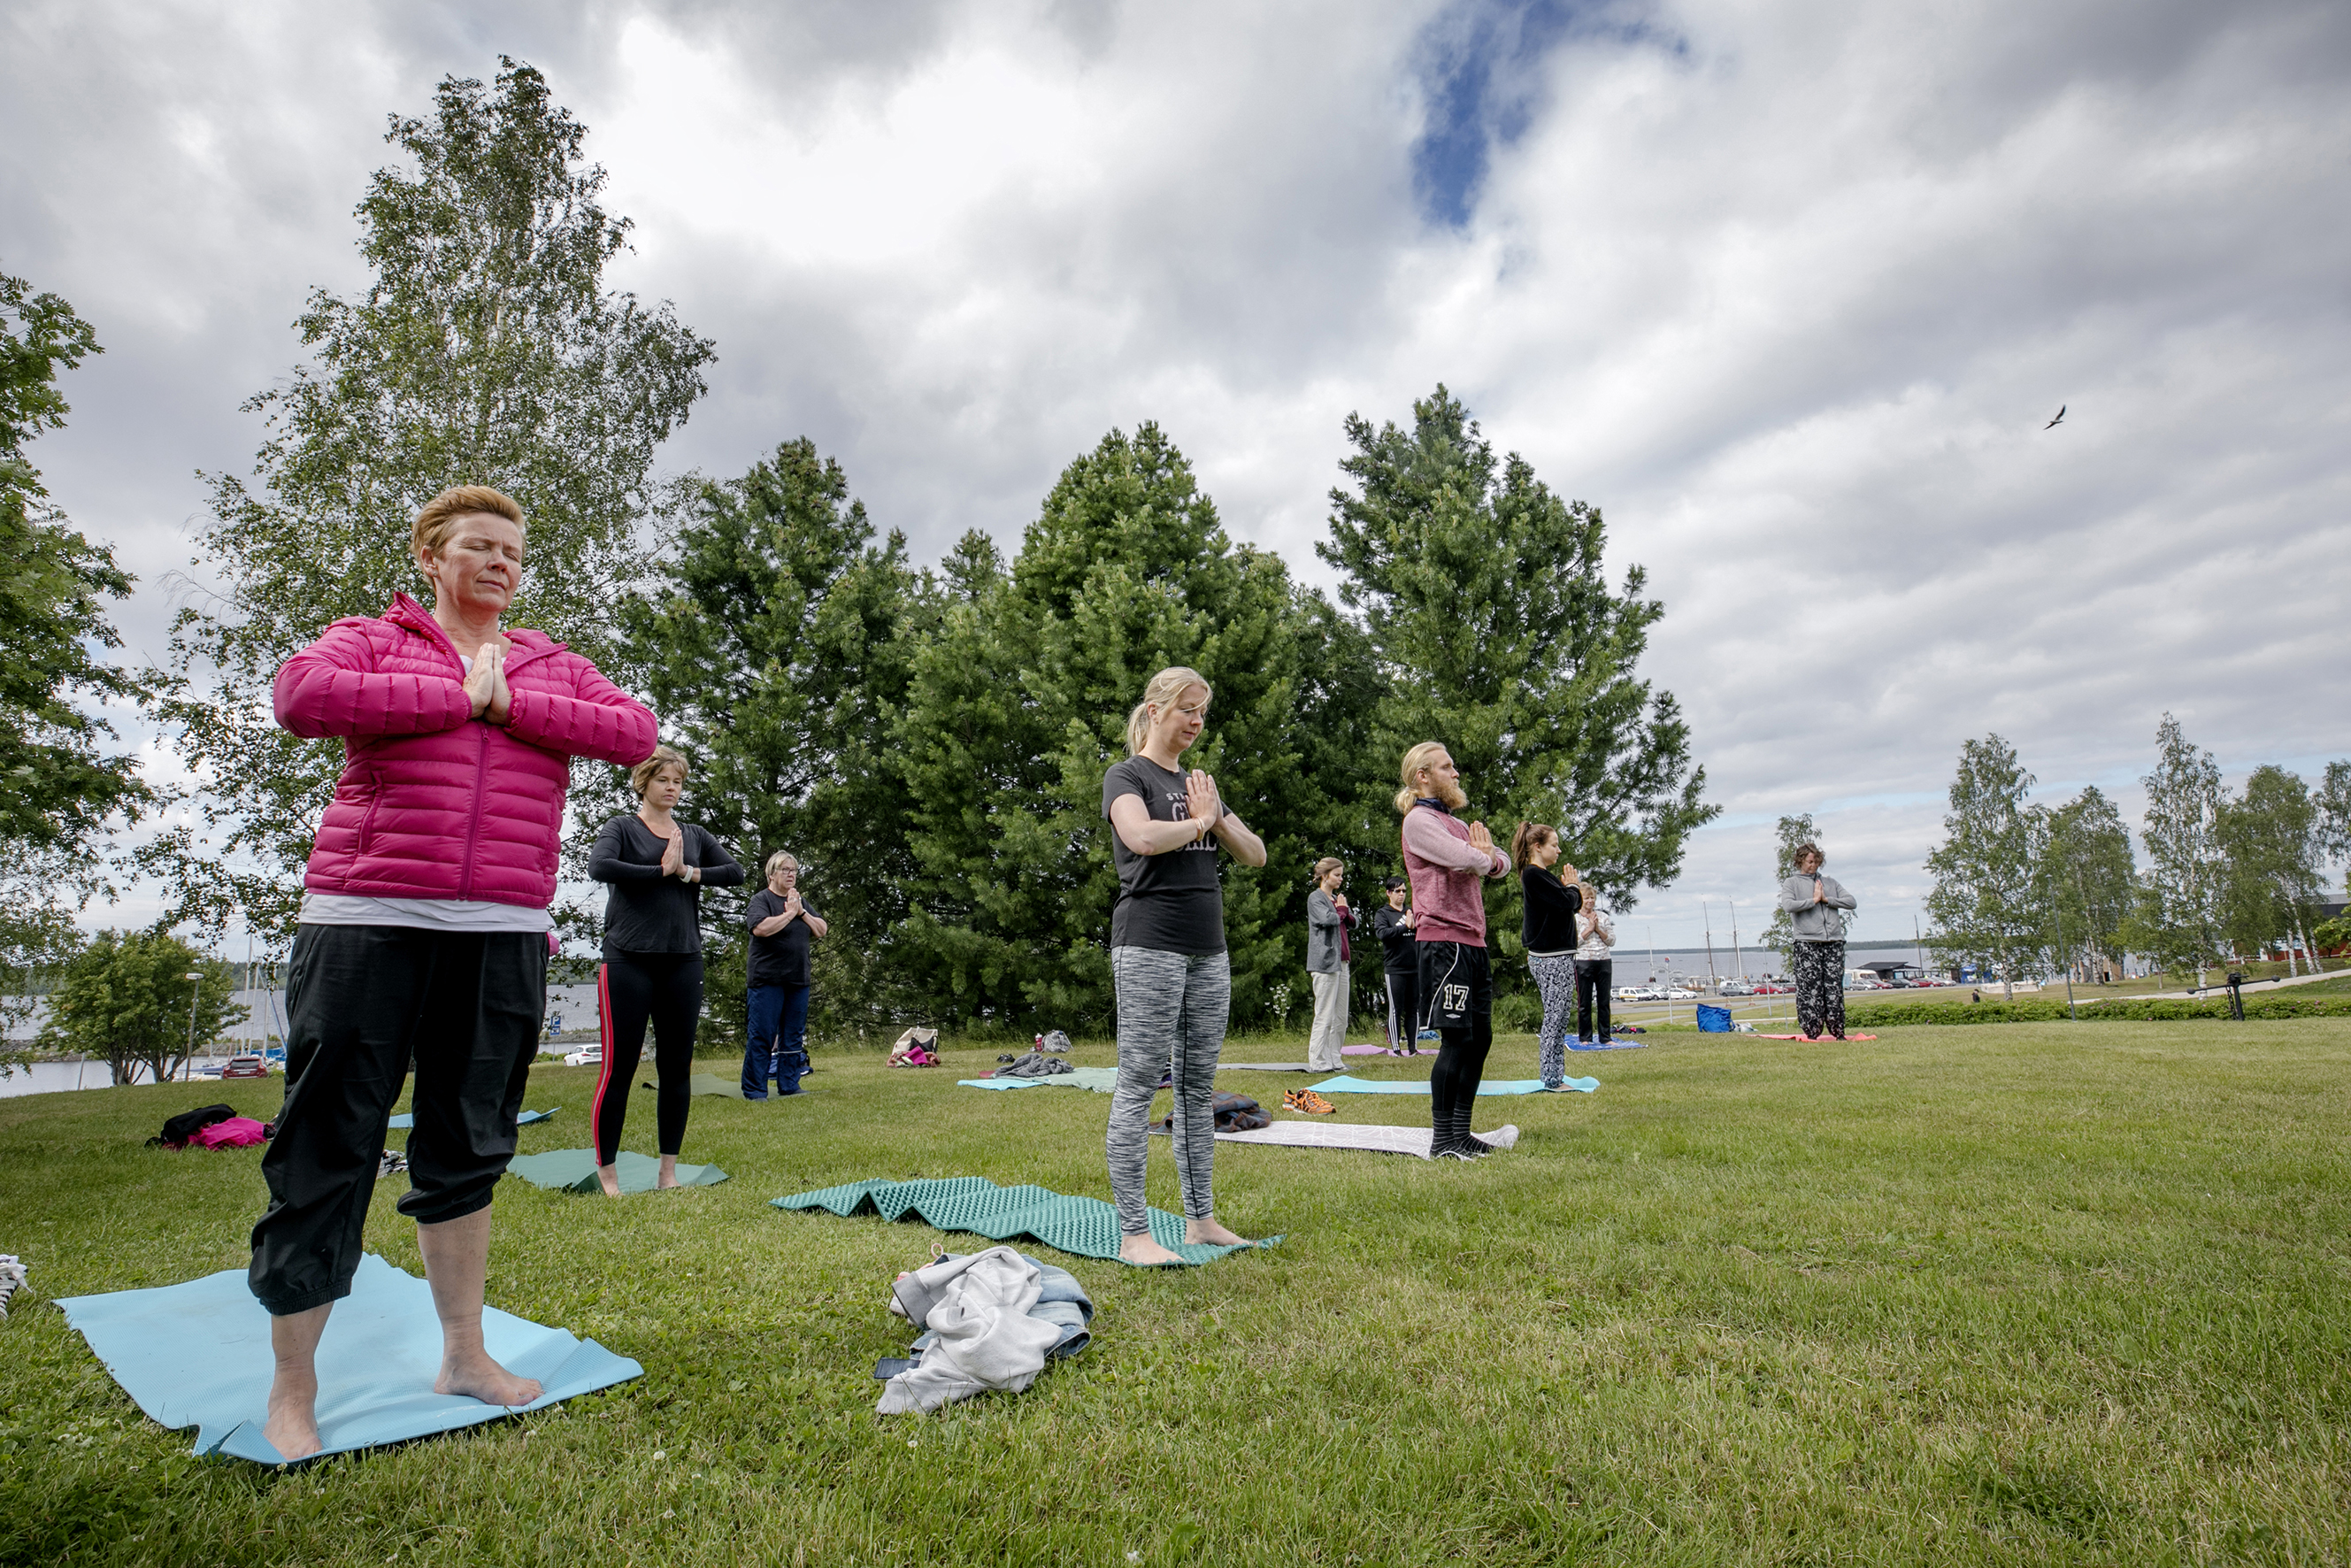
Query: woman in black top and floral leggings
{"x": 1167, "y": 957}
{"x": 652, "y": 956}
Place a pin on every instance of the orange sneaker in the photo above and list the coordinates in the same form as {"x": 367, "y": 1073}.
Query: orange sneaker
{"x": 1309, "y": 1102}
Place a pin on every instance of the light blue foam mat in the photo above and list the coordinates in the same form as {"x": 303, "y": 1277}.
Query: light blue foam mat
{"x": 1343, "y": 1084}
{"x": 574, "y": 1170}
{"x": 1101, "y": 1079}
{"x": 408, "y": 1119}
{"x": 197, "y": 1354}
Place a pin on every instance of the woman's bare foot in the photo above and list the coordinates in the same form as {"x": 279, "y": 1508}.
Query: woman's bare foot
{"x": 1145, "y": 1252}
{"x": 668, "y": 1172}
{"x": 293, "y": 1425}
{"x": 609, "y": 1177}
{"x": 475, "y": 1374}
{"x": 1209, "y": 1233}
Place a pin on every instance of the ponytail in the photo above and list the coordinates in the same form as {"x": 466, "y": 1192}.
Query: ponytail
{"x": 1525, "y": 838}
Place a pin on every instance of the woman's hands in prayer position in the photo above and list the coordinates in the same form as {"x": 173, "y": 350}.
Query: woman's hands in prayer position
{"x": 485, "y": 682}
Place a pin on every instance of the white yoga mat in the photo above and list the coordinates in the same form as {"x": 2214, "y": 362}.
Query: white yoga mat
{"x": 1346, "y": 1136}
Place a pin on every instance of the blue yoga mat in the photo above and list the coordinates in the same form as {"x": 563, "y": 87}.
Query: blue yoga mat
{"x": 197, "y": 1354}
{"x": 574, "y": 1170}
{"x": 1343, "y": 1084}
{"x": 999, "y": 1082}
{"x": 408, "y": 1119}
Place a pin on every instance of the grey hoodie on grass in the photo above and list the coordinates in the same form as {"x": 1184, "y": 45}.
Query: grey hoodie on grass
{"x": 1814, "y": 922}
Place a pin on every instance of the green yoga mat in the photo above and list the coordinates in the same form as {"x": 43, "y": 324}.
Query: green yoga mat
{"x": 1085, "y": 1225}
{"x": 574, "y": 1170}
{"x": 711, "y": 1083}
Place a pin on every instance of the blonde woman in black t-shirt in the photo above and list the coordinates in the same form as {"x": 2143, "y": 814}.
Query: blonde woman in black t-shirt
{"x": 1167, "y": 955}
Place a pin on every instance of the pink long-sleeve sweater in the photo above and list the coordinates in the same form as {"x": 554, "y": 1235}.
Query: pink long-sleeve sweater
{"x": 1445, "y": 869}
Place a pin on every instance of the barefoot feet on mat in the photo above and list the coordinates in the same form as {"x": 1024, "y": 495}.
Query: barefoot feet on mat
{"x": 477, "y": 1376}
{"x": 609, "y": 1179}
{"x": 293, "y": 1425}
{"x": 1209, "y": 1233}
{"x": 1145, "y": 1252}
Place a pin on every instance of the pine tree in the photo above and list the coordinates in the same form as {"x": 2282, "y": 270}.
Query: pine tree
{"x": 774, "y": 644}
{"x": 1484, "y": 600}
{"x": 1017, "y": 707}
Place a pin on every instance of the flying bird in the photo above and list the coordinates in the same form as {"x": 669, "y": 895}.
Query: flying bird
{"x": 2058, "y": 421}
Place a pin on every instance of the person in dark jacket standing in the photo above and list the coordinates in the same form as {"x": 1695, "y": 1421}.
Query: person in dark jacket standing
{"x": 1813, "y": 903}
{"x": 1392, "y": 924}
{"x": 657, "y": 867}
{"x": 1548, "y": 930}
{"x": 782, "y": 926}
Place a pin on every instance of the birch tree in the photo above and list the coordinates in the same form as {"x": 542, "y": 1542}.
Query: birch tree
{"x": 1984, "y": 901}
{"x": 487, "y": 351}
{"x": 2178, "y": 919}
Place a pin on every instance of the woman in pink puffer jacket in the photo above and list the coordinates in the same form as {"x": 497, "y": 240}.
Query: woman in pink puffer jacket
{"x": 424, "y": 935}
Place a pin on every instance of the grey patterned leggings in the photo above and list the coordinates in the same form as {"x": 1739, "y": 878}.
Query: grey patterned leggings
{"x": 1820, "y": 987}
{"x": 1172, "y": 1009}
{"x": 1555, "y": 981}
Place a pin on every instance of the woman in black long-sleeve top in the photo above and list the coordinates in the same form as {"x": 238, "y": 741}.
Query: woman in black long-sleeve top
{"x": 652, "y": 955}
{"x": 1548, "y": 929}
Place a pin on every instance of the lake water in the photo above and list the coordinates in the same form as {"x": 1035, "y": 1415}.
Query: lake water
{"x": 51, "y": 1077}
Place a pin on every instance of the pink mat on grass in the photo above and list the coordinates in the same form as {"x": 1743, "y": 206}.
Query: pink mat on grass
{"x": 1363, "y": 1050}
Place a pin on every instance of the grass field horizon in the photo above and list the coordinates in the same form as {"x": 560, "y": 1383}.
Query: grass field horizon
{"x": 2009, "y": 1294}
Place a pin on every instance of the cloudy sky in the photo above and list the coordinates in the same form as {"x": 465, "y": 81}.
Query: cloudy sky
{"x": 1789, "y": 289}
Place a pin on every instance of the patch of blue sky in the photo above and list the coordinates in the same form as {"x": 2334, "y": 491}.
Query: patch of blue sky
{"x": 1480, "y": 63}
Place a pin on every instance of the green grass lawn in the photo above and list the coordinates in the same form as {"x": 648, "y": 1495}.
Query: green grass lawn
{"x": 2015, "y": 1294}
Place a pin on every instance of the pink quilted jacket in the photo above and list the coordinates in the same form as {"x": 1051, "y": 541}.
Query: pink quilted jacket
{"x": 434, "y": 803}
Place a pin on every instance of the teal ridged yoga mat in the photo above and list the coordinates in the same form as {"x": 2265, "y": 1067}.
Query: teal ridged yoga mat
{"x": 574, "y": 1170}
{"x": 197, "y": 1354}
{"x": 408, "y": 1119}
{"x": 1343, "y": 1084}
{"x": 1086, "y": 1227}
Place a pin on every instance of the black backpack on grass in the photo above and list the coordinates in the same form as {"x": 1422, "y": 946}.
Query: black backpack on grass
{"x": 188, "y": 1124}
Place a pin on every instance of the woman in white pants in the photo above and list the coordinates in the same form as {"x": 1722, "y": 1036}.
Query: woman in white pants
{"x": 1327, "y": 956}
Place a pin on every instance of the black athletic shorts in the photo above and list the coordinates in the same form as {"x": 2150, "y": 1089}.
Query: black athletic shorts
{"x": 1456, "y": 981}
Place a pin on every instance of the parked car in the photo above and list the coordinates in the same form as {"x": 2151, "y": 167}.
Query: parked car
{"x": 245, "y": 1067}
{"x": 586, "y": 1056}
{"x": 1734, "y": 988}
{"x": 1680, "y": 994}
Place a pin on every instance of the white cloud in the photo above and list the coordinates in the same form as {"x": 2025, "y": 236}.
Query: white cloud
{"x": 1788, "y": 289}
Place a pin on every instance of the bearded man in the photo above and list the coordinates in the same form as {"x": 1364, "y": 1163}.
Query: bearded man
{"x": 1447, "y": 860}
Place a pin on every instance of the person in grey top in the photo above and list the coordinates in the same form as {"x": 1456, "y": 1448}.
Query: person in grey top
{"x": 1815, "y": 905}
{"x": 1328, "y": 956}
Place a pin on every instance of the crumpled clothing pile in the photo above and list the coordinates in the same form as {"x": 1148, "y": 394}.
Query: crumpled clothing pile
{"x": 990, "y": 1320}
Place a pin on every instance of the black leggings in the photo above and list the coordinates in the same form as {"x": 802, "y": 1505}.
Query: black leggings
{"x": 633, "y": 988}
{"x": 1460, "y": 1068}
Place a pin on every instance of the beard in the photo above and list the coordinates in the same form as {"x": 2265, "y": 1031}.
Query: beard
{"x": 1449, "y": 792}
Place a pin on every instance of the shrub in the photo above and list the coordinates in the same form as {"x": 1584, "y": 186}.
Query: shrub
{"x": 2164, "y": 1010}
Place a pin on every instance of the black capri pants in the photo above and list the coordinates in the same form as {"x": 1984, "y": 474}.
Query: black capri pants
{"x": 633, "y": 989}
{"x": 364, "y": 1003}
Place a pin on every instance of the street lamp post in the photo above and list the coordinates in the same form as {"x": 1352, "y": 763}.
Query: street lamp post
{"x": 193, "y": 991}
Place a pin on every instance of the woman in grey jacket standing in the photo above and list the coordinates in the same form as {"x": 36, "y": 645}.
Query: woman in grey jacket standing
{"x": 1328, "y": 959}
{"x": 1813, "y": 902}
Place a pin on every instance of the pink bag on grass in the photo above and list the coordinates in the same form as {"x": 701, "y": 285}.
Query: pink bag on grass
{"x": 236, "y": 1132}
